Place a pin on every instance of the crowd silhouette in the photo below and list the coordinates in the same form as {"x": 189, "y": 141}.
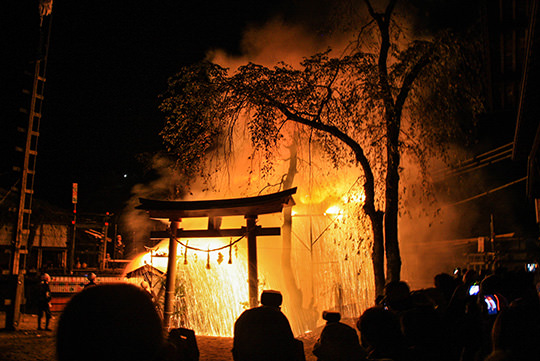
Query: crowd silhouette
{"x": 463, "y": 317}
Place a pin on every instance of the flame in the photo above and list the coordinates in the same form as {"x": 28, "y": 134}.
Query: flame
{"x": 329, "y": 260}
{"x": 333, "y": 210}
{"x": 334, "y": 273}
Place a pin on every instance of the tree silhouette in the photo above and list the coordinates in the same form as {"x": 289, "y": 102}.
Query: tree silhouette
{"x": 380, "y": 101}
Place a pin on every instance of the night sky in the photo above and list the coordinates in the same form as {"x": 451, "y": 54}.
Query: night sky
{"x": 108, "y": 62}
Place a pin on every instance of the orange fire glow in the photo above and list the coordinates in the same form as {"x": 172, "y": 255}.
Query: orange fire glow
{"x": 332, "y": 269}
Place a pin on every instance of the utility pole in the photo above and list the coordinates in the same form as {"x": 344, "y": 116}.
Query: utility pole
{"x": 74, "y": 200}
{"x": 28, "y": 169}
{"x": 104, "y": 250}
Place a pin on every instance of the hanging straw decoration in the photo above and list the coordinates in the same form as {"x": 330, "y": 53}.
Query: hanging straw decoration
{"x": 230, "y": 251}
{"x": 208, "y": 258}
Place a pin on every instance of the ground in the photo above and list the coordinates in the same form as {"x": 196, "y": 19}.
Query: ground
{"x": 29, "y": 344}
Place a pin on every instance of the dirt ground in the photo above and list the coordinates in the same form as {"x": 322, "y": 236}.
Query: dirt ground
{"x": 29, "y": 344}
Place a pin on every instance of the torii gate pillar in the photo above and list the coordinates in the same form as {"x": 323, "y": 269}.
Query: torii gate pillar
{"x": 252, "y": 261}
{"x": 171, "y": 275}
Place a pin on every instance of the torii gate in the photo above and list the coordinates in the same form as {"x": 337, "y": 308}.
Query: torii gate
{"x": 250, "y": 208}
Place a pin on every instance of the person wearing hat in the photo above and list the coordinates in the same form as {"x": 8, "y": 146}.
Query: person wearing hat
{"x": 44, "y": 301}
{"x": 91, "y": 280}
{"x": 338, "y": 341}
{"x": 263, "y": 333}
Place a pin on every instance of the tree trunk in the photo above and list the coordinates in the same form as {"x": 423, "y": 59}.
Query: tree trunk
{"x": 377, "y": 255}
{"x": 392, "y": 119}
{"x": 293, "y": 291}
{"x": 376, "y": 217}
{"x": 393, "y": 258}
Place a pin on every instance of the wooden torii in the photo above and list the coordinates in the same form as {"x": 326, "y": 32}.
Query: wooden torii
{"x": 250, "y": 208}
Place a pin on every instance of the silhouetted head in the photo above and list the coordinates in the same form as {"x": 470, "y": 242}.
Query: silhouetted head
{"x": 46, "y": 278}
{"x": 446, "y": 283}
{"x": 490, "y": 285}
{"x": 271, "y": 298}
{"x": 110, "y": 322}
{"x": 470, "y": 276}
{"x": 331, "y": 316}
{"x": 516, "y": 330}
{"x": 380, "y": 329}
{"x": 92, "y": 277}
{"x": 397, "y": 295}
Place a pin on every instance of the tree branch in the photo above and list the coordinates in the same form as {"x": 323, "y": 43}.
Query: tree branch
{"x": 409, "y": 79}
{"x": 370, "y": 9}
{"x": 369, "y": 184}
{"x": 389, "y": 9}
{"x": 383, "y": 22}
{"x": 384, "y": 18}
{"x": 328, "y": 94}
{"x": 358, "y": 36}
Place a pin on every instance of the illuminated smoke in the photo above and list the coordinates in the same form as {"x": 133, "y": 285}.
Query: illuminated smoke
{"x": 331, "y": 239}
{"x": 330, "y": 253}
{"x": 135, "y": 222}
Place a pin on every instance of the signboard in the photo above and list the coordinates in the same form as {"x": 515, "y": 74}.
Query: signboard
{"x": 74, "y": 192}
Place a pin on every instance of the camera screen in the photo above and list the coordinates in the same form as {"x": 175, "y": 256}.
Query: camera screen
{"x": 473, "y": 290}
{"x": 531, "y": 267}
{"x": 492, "y": 304}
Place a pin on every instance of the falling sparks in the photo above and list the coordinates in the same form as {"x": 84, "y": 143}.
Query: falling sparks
{"x": 331, "y": 265}
{"x": 329, "y": 257}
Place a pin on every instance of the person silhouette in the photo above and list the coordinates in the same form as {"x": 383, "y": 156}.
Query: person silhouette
{"x": 338, "y": 341}
{"x": 111, "y": 322}
{"x": 91, "y": 280}
{"x": 263, "y": 333}
{"x": 44, "y": 301}
{"x": 381, "y": 334}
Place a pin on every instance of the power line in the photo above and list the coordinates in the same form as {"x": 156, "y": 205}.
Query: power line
{"x": 488, "y": 158}
{"x": 486, "y": 193}
{"x": 472, "y": 167}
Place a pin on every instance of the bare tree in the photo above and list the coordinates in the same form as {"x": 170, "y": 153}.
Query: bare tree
{"x": 380, "y": 104}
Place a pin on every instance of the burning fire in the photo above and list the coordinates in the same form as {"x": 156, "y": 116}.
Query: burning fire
{"x": 330, "y": 258}
{"x": 333, "y": 210}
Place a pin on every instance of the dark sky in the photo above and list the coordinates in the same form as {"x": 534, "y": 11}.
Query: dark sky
{"x": 108, "y": 61}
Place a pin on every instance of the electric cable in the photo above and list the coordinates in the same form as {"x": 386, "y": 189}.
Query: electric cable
{"x": 486, "y": 193}
{"x": 476, "y": 162}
